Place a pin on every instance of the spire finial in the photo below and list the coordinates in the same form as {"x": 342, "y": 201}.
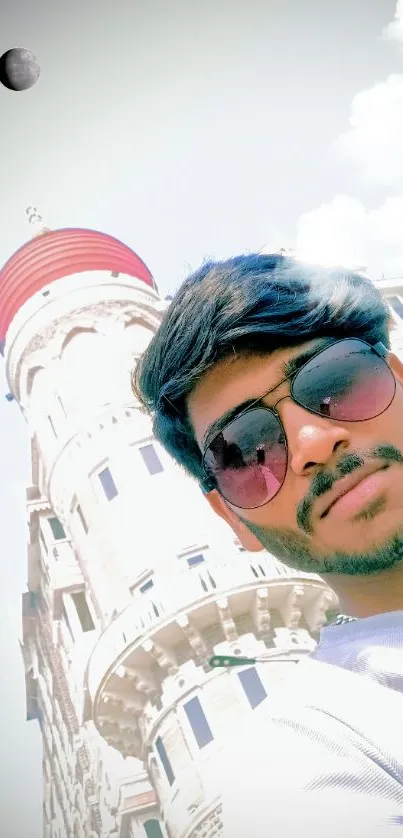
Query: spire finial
{"x": 36, "y": 221}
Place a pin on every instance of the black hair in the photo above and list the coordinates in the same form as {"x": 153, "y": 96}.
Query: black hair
{"x": 257, "y": 303}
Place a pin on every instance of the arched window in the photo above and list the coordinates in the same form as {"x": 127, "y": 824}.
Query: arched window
{"x": 37, "y": 384}
{"x": 137, "y": 336}
{"x": 30, "y": 378}
{"x": 79, "y": 330}
{"x": 152, "y": 829}
{"x": 89, "y": 369}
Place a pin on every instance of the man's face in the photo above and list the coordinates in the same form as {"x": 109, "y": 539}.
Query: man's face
{"x": 362, "y": 535}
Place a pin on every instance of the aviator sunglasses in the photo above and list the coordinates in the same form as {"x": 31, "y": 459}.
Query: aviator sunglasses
{"x": 246, "y": 460}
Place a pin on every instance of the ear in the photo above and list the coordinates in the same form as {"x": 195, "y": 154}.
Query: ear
{"x": 221, "y": 508}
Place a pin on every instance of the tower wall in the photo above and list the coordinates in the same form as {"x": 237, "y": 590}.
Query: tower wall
{"x": 69, "y": 360}
{"x": 137, "y": 583}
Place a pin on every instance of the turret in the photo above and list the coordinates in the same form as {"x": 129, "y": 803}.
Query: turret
{"x": 133, "y": 583}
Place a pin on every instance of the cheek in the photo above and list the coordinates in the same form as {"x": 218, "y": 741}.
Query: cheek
{"x": 391, "y": 422}
{"x": 388, "y": 427}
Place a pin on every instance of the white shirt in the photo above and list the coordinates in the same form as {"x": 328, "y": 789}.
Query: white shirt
{"x": 323, "y": 756}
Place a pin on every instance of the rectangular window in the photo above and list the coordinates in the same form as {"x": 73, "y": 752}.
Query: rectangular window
{"x": 198, "y": 722}
{"x": 81, "y": 517}
{"x": 146, "y": 587}
{"x": 164, "y": 760}
{"x": 151, "y": 459}
{"x": 253, "y": 687}
{"x": 33, "y": 599}
{"x": 83, "y": 612}
{"x": 152, "y": 829}
{"x": 52, "y": 426}
{"x": 397, "y": 305}
{"x": 57, "y": 529}
{"x": 193, "y": 561}
{"x": 108, "y": 483}
{"x": 62, "y": 406}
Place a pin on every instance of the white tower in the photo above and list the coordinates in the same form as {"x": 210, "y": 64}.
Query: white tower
{"x": 133, "y": 583}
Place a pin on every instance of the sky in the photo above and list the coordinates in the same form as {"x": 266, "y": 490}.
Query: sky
{"x": 189, "y": 130}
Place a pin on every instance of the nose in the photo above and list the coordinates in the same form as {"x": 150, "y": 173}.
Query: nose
{"x": 312, "y": 441}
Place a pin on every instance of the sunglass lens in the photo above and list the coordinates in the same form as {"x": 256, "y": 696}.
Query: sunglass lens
{"x": 347, "y": 381}
{"x": 248, "y": 459}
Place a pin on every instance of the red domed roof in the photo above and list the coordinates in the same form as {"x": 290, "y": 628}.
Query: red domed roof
{"x": 57, "y": 254}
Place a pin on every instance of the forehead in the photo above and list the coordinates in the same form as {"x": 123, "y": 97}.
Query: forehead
{"x": 235, "y": 380}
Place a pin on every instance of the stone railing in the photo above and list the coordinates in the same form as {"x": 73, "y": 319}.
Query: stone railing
{"x": 182, "y": 592}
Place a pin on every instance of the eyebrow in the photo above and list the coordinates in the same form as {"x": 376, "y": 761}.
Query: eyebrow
{"x": 288, "y": 369}
{"x": 294, "y": 364}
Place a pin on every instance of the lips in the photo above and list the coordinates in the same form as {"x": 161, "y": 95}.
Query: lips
{"x": 346, "y": 484}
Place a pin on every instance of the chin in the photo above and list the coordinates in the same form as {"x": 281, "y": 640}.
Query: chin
{"x": 368, "y": 531}
{"x": 373, "y": 539}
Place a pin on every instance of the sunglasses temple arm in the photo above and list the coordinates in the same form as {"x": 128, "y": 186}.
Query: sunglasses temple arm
{"x": 381, "y": 350}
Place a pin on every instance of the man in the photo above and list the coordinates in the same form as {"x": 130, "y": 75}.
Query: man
{"x": 272, "y": 383}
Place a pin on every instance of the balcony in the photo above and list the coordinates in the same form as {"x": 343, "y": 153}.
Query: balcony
{"x": 136, "y": 794}
{"x": 64, "y": 570}
{"x": 181, "y": 607}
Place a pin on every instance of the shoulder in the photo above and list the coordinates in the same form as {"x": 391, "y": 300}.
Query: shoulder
{"x": 301, "y": 758}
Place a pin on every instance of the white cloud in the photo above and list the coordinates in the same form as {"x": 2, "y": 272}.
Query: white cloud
{"x": 394, "y": 31}
{"x": 343, "y": 230}
{"x": 374, "y": 141}
{"x": 331, "y": 233}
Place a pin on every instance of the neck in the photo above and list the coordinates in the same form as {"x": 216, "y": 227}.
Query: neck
{"x": 364, "y": 596}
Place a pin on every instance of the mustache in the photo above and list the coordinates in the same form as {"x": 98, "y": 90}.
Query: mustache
{"x": 324, "y": 481}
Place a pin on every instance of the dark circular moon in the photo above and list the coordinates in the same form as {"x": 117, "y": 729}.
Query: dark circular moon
{"x": 19, "y": 69}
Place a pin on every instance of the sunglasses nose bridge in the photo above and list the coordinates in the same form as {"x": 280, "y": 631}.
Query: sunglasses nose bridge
{"x": 281, "y": 399}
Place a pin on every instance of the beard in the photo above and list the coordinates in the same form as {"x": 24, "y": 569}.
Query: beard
{"x": 294, "y": 548}
{"x": 290, "y": 548}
